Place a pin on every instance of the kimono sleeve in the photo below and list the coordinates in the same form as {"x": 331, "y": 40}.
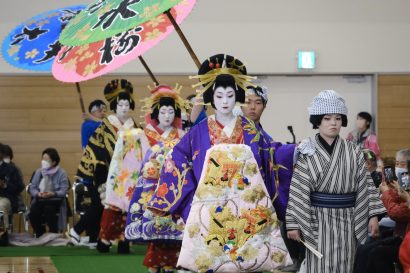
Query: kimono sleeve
{"x": 298, "y": 208}
{"x": 93, "y": 164}
{"x": 177, "y": 183}
{"x": 282, "y": 176}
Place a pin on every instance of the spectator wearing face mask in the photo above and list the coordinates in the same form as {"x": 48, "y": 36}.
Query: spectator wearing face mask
{"x": 48, "y": 188}
{"x": 401, "y": 169}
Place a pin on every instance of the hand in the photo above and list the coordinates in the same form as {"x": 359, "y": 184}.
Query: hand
{"x": 383, "y": 187}
{"x": 374, "y": 227}
{"x": 3, "y": 184}
{"x": 395, "y": 185}
{"x": 294, "y": 235}
{"x": 49, "y": 194}
{"x": 404, "y": 195}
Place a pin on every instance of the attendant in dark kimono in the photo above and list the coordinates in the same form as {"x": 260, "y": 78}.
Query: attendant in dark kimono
{"x": 163, "y": 130}
{"x": 96, "y": 159}
{"x": 217, "y": 178}
{"x": 333, "y": 202}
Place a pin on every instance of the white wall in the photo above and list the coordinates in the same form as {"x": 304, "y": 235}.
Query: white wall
{"x": 289, "y": 98}
{"x": 348, "y": 36}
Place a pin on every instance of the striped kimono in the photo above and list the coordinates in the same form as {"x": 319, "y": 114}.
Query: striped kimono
{"x": 334, "y": 232}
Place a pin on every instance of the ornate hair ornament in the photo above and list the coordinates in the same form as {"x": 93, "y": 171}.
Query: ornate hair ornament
{"x": 162, "y": 91}
{"x": 115, "y": 87}
{"x": 217, "y": 67}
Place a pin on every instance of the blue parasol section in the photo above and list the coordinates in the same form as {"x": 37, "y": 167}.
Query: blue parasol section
{"x": 34, "y": 44}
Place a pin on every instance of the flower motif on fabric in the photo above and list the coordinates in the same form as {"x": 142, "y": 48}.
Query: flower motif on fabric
{"x": 169, "y": 165}
{"x": 251, "y": 130}
{"x": 253, "y": 195}
{"x": 162, "y": 190}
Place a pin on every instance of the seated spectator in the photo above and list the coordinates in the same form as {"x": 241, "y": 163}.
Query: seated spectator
{"x": 11, "y": 185}
{"x": 385, "y": 255}
{"x": 48, "y": 190}
{"x": 362, "y": 136}
{"x": 97, "y": 109}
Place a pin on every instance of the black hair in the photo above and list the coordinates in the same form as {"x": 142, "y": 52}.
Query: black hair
{"x": 165, "y": 101}
{"x": 222, "y": 80}
{"x": 53, "y": 154}
{"x": 190, "y": 97}
{"x": 316, "y": 120}
{"x": 97, "y": 103}
{"x": 2, "y": 150}
{"x": 258, "y": 90}
{"x": 367, "y": 117}
{"x": 8, "y": 151}
{"x": 126, "y": 94}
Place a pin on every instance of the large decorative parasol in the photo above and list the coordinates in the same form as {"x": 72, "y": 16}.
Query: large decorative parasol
{"x": 80, "y": 63}
{"x": 104, "y": 19}
{"x": 34, "y": 44}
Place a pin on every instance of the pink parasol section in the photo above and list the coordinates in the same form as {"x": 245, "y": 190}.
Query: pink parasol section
{"x": 81, "y": 63}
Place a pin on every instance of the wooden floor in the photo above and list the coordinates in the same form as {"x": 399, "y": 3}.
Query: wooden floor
{"x": 27, "y": 265}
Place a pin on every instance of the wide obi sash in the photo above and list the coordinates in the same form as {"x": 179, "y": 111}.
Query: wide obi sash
{"x": 336, "y": 201}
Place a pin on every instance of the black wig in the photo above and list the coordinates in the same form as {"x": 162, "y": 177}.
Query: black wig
{"x": 165, "y": 101}
{"x": 223, "y": 80}
{"x": 316, "y": 120}
{"x": 125, "y": 88}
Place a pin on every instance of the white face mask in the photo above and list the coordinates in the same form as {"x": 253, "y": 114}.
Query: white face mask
{"x": 45, "y": 164}
{"x": 6, "y": 160}
{"x": 399, "y": 171}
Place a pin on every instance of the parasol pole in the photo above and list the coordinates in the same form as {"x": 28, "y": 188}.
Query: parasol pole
{"x": 80, "y": 97}
{"x": 183, "y": 38}
{"x": 148, "y": 70}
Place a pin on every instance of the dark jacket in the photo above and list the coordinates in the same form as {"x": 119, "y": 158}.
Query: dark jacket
{"x": 15, "y": 184}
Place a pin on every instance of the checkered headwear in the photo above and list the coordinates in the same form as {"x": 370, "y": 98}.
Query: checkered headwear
{"x": 328, "y": 102}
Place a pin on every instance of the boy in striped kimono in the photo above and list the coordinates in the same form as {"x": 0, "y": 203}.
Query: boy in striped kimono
{"x": 333, "y": 203}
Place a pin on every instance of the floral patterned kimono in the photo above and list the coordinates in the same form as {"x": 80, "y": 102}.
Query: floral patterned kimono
{"x": 141, "y": 224}
{"x": 217, "y": 178}
{"x": 111, "y": 158}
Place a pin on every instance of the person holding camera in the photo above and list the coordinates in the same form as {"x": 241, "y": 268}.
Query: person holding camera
{"x": 385, "y": 254}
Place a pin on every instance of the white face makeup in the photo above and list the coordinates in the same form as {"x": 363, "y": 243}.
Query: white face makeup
{"x": 122, "y": 110}
{"x": 166, "y": 116}
{"x": 224, "y": 100}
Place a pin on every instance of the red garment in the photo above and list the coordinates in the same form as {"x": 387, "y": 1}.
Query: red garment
{"x": 112, "y": 224}
{"x": 161, "y": 254}
{"x": 398, "y": 210}
{"x": 404, "y": 253}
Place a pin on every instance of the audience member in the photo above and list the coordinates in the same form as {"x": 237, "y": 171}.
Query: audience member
{"x": 362, "y": 136}
{"x": 48, "y": 190}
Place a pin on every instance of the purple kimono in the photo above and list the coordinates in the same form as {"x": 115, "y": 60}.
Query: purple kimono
{"x": 282, "y": 170}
